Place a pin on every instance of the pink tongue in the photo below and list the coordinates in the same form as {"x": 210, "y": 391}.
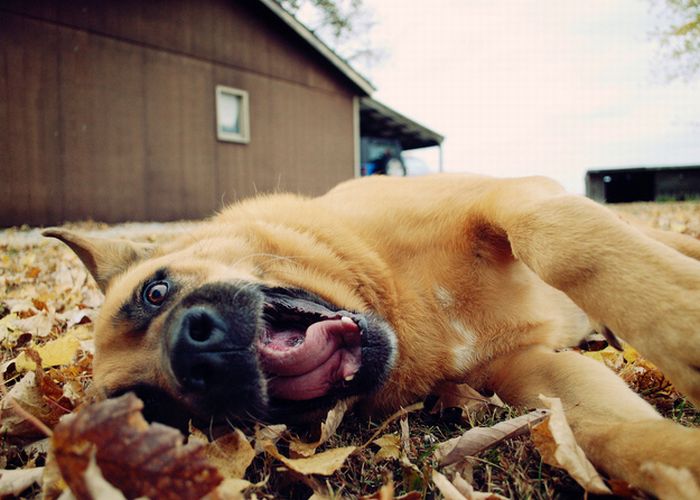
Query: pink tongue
{"x": 330, "y": 352}
{"x": 321, "y": 341}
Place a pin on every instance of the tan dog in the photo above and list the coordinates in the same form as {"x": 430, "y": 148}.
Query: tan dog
{"x": 386, "y": 288}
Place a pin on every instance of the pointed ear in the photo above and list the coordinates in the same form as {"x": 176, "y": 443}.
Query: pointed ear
{"x": 104, "y": 258}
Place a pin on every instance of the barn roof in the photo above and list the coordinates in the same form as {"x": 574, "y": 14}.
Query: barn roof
{"x": 376, "y": 119}
{"x": 315, "y": 42}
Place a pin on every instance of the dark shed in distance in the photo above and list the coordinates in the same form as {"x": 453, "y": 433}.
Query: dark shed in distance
{"x": 163, "y": 110}
{"x": 643, "y": 184}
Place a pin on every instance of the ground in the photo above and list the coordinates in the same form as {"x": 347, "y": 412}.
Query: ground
{"x": 48, "y": 303}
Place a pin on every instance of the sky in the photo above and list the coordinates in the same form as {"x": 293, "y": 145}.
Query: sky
{"x": 527, "y": 87}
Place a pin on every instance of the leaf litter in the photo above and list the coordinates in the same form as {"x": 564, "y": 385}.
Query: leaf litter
{"x": 48, "y": 304}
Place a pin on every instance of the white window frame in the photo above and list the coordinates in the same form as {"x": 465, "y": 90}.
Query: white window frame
{"x": 243, "y": 136}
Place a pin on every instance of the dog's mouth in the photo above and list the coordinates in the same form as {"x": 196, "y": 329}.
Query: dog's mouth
{"x": 239, "y": 352}
{"x": 306, "y": 349}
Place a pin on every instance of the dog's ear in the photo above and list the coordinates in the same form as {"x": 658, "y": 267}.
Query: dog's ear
{"x": 105, "y": 258}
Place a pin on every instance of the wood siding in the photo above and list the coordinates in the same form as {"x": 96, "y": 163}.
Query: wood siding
{"x": 107, "y": 110}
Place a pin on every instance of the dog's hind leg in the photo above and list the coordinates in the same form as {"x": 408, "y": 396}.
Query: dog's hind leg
{"x": 643, "y": 290}
{"x": 618, "y": 431}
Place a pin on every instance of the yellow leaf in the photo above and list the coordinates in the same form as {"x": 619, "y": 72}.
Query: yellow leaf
{"x": 630, "y": 353}
{"x": 389, "y": 447}
{"x": 328, "y": 428}
{"x": 608, "y": 356}
{"x": 57, "y": 352}
{"x": 325, "y": 463}
{"x": 231, "y": 454}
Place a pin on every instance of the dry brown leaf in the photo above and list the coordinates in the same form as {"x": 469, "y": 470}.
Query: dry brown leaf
{"x": 389, "y": 447}
{"x": 328, "y": 428}
{"x": 462, "y": 396}
{"x": 670, "y": 483}
{"x": 324, "y": 463}
{"x": 231, "y": 489}
{"x": 269, "y": 433}
{"x": 231, "y": 453}
{"x": 466, "y": 489}
{"x": 140, "y": 459}
{"x": 448, "y": 490}
{"x": 29, "y": 396}
{"x": 478, "y": 439}
{"x": 14, "y": 482}
{"x": 459, "y": 489}
{"x": 556, "y": 443}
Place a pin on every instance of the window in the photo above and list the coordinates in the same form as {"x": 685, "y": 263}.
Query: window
{"x": 232, "y": 123}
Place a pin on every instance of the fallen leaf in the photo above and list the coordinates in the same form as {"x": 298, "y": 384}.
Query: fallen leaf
{"x": 470, "y": 493}
{"x": 389, "y": 447}
{"x": 230, "y": 489}
{"x": 32, "y": 272}
{"x": 231, "y": 453}
{"x": 386, "y": 492}
{"x": 325, "y": 463}
{"x": 54, "y": 353}
{"x": 268, "y": 433}
{"x": 556, "y": 443}
{"x": 29, "y": 396}
{"x": 140, "y": 459}
{"x": 671, "y": 483}
{"x": 328, "y": 428}
{"x": 448, "y": 490}
{"x": 14, "y": 482}
{"x": 463, "y": 396}
{"x": 610, "y": 357}
{"x": 477, "y": 439}
{"x": 97, "y": 486}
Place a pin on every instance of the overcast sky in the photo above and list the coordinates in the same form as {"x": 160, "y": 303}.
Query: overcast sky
{"x": 535, "y": 86}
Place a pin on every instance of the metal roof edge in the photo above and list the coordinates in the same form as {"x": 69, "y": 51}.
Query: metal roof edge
{"x": 640, "y": 168}
{"x": 383, "y": 108}
{"x": 320, "y": 47}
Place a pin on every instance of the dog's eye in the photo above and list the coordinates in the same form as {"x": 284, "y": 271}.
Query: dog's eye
{"x": 156, "y": 292}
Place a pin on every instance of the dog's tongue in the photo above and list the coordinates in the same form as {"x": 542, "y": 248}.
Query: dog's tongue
{"x": 306, "y": 365}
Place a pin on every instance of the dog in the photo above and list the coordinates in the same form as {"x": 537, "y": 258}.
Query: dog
{"x": 385, "y": 288}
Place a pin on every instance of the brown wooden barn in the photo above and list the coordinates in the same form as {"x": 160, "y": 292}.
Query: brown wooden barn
{"x": 163, "y": 110}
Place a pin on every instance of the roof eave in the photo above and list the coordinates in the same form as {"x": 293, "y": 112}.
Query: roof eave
{"x": 362, "y": 83}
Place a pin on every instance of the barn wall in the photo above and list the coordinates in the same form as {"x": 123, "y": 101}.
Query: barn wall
{"x": 108, "y": 113}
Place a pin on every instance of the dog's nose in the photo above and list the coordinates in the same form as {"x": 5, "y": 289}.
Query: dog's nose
{"x": 200, "y": 349}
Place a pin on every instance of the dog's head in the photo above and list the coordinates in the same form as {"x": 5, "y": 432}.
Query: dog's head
{"x": 227, "y": 328}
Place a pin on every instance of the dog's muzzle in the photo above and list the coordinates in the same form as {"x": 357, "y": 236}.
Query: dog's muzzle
{"x": 210, "y": 349}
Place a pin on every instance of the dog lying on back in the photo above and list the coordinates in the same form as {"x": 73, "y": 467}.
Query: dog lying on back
{"x": 384, "y": 289}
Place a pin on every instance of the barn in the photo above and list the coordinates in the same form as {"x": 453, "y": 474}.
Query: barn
{"x": 165, "y": 110}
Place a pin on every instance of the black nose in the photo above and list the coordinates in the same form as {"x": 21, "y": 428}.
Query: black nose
{"x": 210, "y": 343}
{"x": 201, "y": 349}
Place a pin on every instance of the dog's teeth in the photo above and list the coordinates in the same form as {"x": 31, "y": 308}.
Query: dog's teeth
{"x": 347, "y": 320}
{"x": 349, "y": 377}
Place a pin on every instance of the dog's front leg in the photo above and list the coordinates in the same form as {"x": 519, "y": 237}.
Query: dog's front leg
{"x": 618, "y": 430}
{"x": 643, "y": 290}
